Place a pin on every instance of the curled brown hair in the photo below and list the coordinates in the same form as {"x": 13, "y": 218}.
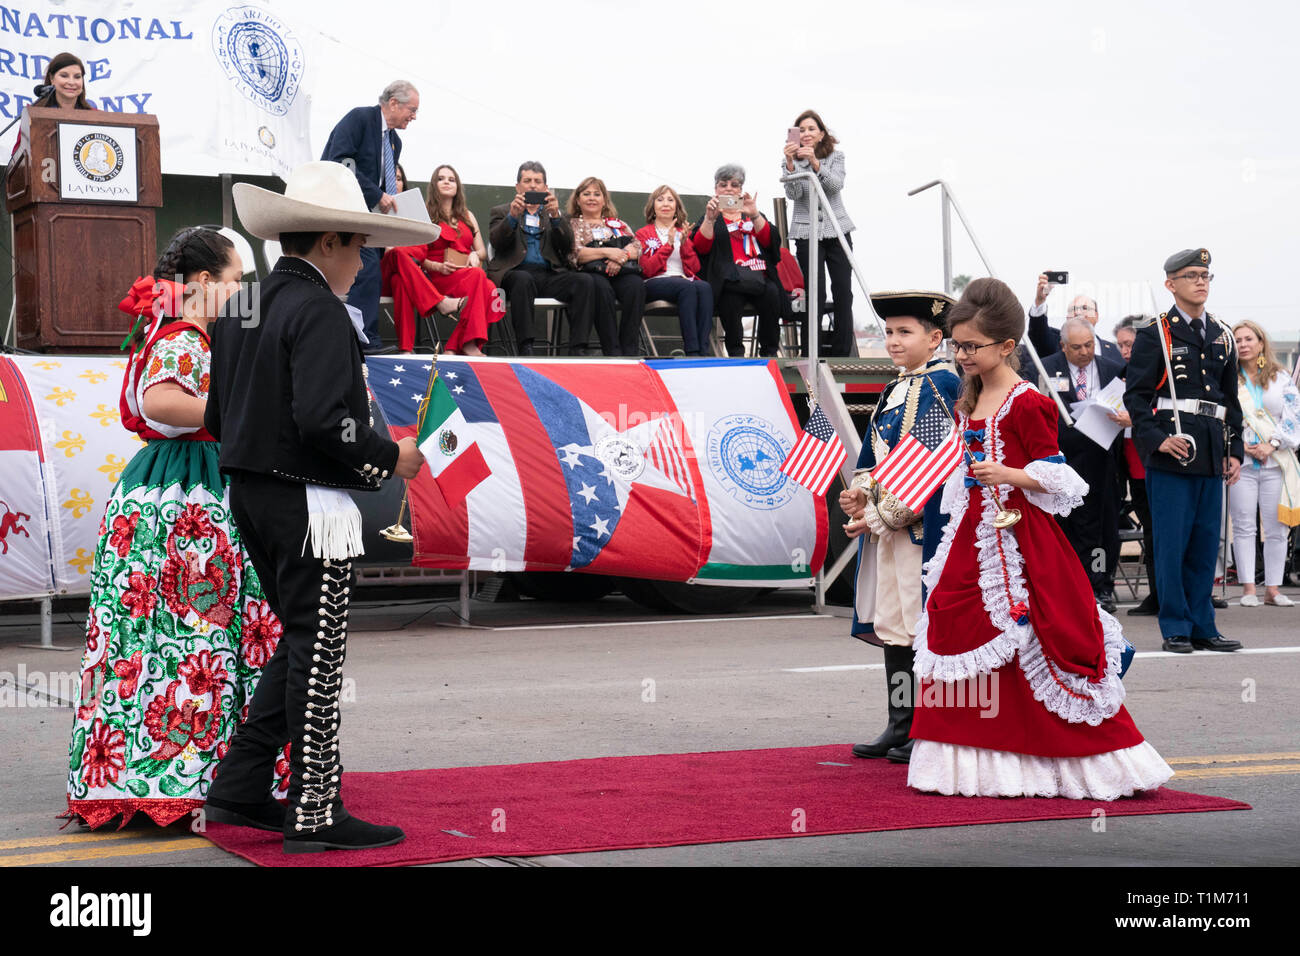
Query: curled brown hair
{"x": 607, "y": 211}
{"x": 1260, "y": 374}
{"x": 998, "y": 315}
{"x": 828, "y": 142}
{"x": 679, "y": 217}
{"x": 459, "y": 210}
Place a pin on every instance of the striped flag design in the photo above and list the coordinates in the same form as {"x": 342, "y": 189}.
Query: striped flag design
{"x": 922, "y": 460}
{"x": 817, "y": 456}
{"x": 665, "y": 453}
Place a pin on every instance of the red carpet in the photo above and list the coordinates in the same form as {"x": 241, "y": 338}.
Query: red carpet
{"x": 616, "y": 803}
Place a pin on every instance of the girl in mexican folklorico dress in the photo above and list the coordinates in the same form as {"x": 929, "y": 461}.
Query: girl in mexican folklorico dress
{"x": 1019, "y": 668}
{"x": 178, "y": 628}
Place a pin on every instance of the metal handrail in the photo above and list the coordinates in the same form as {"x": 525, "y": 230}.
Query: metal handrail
{"x": 816, "y": 199}
{"x": 950, "y": 199}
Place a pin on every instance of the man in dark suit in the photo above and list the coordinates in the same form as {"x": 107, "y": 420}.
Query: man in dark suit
{"x": 1075, "y": 373}
{"x": 1187, "y": 459}
{"x": 1047, "y": 340}
{"x": 366, "y": 141}
{"x": 531, "y": 243}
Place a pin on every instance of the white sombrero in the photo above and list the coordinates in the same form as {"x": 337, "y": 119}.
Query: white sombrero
{"x": 323, "y": 197}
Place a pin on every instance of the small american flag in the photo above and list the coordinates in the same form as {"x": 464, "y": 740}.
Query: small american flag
{"x": 817, "y": 455}
{"x": 665, "y": 453}
{"x": 922, "y": 461}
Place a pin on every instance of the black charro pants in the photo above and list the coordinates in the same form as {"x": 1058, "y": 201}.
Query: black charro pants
{"x": 297, "y": 698}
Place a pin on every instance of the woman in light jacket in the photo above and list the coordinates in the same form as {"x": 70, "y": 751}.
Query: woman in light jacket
{"x": 1270, "y": 477}
{"x": 815, "y": 152}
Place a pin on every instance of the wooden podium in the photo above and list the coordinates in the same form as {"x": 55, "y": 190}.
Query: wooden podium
{"x": 76, "y": 255}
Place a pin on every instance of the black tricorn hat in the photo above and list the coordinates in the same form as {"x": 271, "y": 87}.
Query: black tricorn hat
{"x": 931, "y": 307}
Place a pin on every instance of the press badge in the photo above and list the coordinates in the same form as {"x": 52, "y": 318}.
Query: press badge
{"x": 532, "y": 220}
{"x": 1062, "y": 384}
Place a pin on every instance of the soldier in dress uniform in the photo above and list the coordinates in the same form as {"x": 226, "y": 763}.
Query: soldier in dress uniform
{"x": 887, "y": 588}
{"x": 1185, "y": 478}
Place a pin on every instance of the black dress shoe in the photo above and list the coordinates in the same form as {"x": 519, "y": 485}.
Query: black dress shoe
{"x": 380, "y": 349}
{"x": 1216, "y": 643}
{"x": 1107, "y": 601}
{"x": 526, "y": 348}
{"x": 347, "y": 833}
{"x": 1219, "y": 602}
{"x": 1177, "y": 645}
{"x": 1148, "y": 608}
{"x": 901, "y": 754}
{"x": 261, "y": 816}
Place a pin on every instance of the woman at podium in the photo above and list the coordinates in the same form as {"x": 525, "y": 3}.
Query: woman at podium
{"x": 66, "y": 79}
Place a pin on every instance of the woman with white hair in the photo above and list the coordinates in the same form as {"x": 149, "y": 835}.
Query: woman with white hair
{"x": 741, "y": 270}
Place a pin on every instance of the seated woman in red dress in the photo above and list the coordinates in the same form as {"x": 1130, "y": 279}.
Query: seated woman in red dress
{"x": 1019, "y": 669}
{"x": 446, "y": 275}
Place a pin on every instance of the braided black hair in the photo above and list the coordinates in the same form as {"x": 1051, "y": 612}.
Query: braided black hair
{"x": 193, "y": 250}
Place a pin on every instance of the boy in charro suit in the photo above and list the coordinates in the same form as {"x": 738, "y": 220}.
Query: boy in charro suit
{"x": 887, "y": 588}
{"x": 288, "y": 403}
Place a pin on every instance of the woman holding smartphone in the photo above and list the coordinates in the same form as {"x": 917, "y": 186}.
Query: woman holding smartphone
{"x": 606, "y": 246}
{"x": 810, "y": 147}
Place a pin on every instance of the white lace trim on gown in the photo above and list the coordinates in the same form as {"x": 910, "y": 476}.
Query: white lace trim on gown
{"x": 953, "y": 769}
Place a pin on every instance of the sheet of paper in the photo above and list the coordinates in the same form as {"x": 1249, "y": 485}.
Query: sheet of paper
{"x": 410, "y": 205}
{"x": 1112, "y": 395}
{"x": 1092, "y": 418}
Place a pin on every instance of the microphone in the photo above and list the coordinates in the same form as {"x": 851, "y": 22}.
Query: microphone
{"x": 42, "y": 90}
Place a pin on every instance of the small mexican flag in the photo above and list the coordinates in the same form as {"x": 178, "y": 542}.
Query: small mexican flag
{"x": 456, "y": 462}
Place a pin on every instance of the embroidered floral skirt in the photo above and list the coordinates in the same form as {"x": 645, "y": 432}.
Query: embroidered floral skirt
{"x": 176, "y": 638}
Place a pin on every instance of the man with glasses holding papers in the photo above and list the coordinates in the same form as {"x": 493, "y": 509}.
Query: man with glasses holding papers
{"x": 1090, "y": 446}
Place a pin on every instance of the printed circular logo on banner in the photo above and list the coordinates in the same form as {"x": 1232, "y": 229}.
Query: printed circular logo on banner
{"x": 266, "y": 136}
{"x": 744, "y": 453}
{"x": 621, "y": 456}
{"x": 260, "y": 55}
{"x": 98, "y": 157}
{"x": 447, "y": 442}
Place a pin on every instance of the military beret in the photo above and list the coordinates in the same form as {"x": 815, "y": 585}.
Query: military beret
{"x": 928, "y": 307}
{"x": 1188, "y": 257}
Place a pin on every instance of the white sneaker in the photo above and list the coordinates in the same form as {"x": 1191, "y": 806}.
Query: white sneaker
{"x": 1251, "y": 600}
{"x": 1282, "y": 601}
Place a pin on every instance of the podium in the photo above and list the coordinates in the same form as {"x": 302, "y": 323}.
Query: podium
{"x": 82, "y": 190}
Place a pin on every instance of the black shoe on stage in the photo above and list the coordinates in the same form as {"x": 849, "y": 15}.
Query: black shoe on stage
{"x": 901, "y": 754}
{"x": 1177, "y": 645}
{"x": 526, "y": 347}
{"x": 1148, "y": 608}
{"x": 1106, "y": 598}
{"x": 347, "y": 833}
{"x": 1219, "y": 602}
{"x": 262, "y": 816}
{"x": 1216, "y": 643}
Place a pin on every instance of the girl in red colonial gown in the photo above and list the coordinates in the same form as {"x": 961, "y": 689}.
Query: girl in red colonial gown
{"x": 1019, "y": 669}
{"x": 446, "y": 275}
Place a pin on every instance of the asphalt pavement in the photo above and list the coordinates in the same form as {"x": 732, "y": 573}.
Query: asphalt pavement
{"x": 535, "y": 681}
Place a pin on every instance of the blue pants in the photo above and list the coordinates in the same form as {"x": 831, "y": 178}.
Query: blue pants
{"x": 1186, "y": 513}
{"x": 694, "y": 299}
{"x": 364, "y": 293}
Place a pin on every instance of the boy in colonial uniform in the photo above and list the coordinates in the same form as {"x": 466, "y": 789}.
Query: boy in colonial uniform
{"x": 887, "y": 589}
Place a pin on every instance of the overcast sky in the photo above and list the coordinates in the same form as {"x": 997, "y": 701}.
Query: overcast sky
{"x": 1096, "y": 138}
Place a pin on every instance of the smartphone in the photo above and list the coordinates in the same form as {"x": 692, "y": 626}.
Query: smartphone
{"x": 730, "y": 202}
{"x": 792, "y": 135}
{"x": 535, "y": 197}
{"x": 1057, "y": 278}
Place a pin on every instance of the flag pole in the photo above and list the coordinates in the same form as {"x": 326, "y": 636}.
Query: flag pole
{"x": 396, "y": 531}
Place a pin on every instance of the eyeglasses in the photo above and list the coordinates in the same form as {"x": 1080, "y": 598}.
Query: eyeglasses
{"x": 1081, "y": 310}
{"x": 970, "y": 348}
{"x": 1197, "y": 276}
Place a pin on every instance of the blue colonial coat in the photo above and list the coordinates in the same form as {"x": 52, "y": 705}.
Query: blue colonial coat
{"x": 903, "y": 402}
